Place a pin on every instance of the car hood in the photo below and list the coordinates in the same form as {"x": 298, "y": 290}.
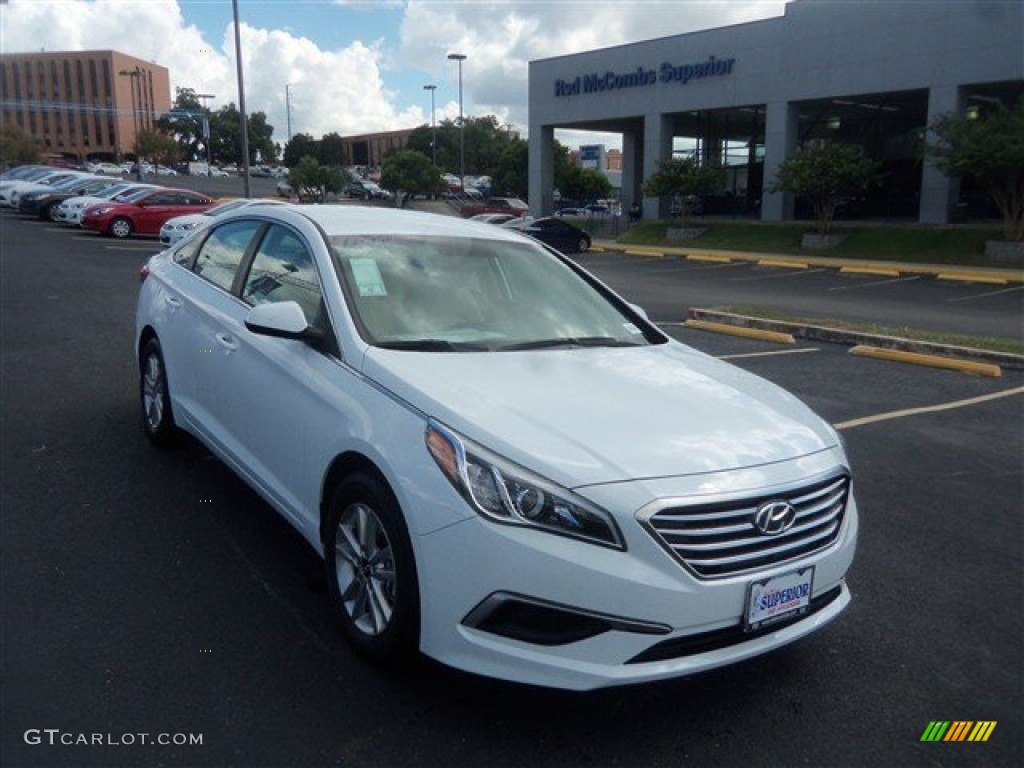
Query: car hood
{"x": 599, "y": 415}
{"x": 188, "y": 218}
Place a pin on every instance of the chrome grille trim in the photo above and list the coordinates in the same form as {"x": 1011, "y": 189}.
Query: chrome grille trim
{"x": 718, "y": 539}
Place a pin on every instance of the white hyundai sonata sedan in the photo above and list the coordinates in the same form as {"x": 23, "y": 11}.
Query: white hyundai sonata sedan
{"x": 502, "y": 463}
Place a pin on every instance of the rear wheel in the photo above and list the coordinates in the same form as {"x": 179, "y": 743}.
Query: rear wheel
{"x": 120, "y": 227}
{"x": 371, "y": 571}
{"x": 583, "y": 245}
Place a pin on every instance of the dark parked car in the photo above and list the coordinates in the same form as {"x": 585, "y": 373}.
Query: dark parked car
{"x": 559, "y": 234}
{"x": 43, "y": 203}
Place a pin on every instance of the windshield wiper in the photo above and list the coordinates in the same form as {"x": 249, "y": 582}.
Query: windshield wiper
{"x": 570, "y": 342}
{"x": 433, "y": 345}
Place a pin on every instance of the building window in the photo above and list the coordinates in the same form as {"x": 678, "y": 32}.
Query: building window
{"x": 93, "y": 81}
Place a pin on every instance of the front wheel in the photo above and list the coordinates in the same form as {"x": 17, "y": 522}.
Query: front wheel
{"x": 583, "y": 245}
{"x": 371, "y": 571}
{"x": 120, "y": 227}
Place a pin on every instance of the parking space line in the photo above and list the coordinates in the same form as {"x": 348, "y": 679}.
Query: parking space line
{"x": 648, "y": 254}
{"x": 986, "y": 295}
{"x": 770, "y": 354}
{"x": 928, "y": 409}
{"x": 132, "y": 248}
{"x": 875, "y": 283}
{"x": 777, "y": 276}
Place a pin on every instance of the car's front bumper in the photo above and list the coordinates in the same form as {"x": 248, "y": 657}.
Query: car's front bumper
{"x": 538, "y": 608}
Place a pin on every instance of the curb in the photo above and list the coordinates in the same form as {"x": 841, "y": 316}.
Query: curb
{"x": 857, "y": 338}
{"x": 895, "y": 269}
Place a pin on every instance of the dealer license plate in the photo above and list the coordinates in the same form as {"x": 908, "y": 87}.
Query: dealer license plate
{"x": 780, "y": 597}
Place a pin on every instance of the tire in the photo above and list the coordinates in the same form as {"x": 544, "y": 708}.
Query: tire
{"x": 583, "y": 245}
{"x": 51, "y": 212}
{"x": 155, "y": 397}
{"x": 371, "y": 571}
{"x": 120, "y": 228}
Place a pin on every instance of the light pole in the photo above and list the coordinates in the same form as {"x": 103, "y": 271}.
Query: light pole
{"x": 461, "y": 57}
{"x": 433, "y": 126}
{"x": 135, "y": 74}
{"x": 288, "y": 107}
{"x": 206, "y": 131}
{"x": 241, "y": 102}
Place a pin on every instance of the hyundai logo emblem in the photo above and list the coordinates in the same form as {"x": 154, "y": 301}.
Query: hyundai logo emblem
{"x": 774, "y": 517}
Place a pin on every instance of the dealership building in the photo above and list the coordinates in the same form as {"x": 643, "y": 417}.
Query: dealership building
{"x": 747, "y": 97}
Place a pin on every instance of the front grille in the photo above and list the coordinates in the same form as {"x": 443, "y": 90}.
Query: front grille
{"x": 719, "y": 539}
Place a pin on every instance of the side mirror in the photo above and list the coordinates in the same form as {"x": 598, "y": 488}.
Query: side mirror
{"x": 283, "y": 320}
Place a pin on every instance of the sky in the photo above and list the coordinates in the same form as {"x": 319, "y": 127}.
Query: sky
{"x": 359, "y": 66}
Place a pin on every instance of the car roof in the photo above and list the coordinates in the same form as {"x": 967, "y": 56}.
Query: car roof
{"x": 353, "y": 220}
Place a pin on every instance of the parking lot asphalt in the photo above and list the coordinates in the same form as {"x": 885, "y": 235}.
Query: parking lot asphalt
{"x": 143, "y": 591}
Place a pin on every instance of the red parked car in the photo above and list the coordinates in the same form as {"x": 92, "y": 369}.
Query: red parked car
{"x": 144, "y": 214}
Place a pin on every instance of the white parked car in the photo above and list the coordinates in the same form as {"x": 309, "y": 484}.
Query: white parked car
{"x": 72, "y": 210}
{"x": 175, "y": 229}
{"x": 503, "y": 464}
{"x": 105, "y": 169}
{"x": 11, "y": 191}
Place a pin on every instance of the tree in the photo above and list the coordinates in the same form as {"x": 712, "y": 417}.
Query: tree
{"x": 312, "y": 181}
{"x": 409, "y": 171}
{"x": 990, "y": 150}
{"x": 585, "y": 184}
{"x": 16, "y": 147}
{"x": 226, "y": 136}
{"x": 685, "y": 179}
{"x": 511, "y": 177}
{"x": 332, "y": 150}
{"x": 824, "y": 174}
{"x": 301, "y": 144}
{"x": 157, "y": 146}
{"x": 485, "y": 144}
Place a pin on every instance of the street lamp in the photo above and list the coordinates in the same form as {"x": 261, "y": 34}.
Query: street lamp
{"x": 461, "y": 57}
{"x": 135, "y": 74}
{"x": 433, "y": 126}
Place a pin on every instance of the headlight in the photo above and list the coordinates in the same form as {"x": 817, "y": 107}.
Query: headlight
{"x": 100, "y": 210}
{"x": 189, "y": 225}
{"x": 506, "y": 493}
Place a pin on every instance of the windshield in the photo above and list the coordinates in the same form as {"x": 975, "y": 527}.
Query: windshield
{"x": 462, "y": 294}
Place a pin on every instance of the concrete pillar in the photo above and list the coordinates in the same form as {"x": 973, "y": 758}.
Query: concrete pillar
{"x": 657, "y": 147}
{"x": 781, "y": 132}
{"x": 632, "y": 164}
{"x": 938, "y": 191}
{"x": 542, "y": 170}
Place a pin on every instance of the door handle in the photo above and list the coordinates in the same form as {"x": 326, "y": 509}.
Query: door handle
{"x": 226, "y": 341}
{"x": 172, "y": 302}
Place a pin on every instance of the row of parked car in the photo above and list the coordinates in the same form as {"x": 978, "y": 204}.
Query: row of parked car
{"x": 110, "y": 205}
{"x": 120, "y": 208}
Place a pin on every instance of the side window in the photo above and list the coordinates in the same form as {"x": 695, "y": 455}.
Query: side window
{"x": 283, "y": 270}
{"x": 222, "y": 252}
